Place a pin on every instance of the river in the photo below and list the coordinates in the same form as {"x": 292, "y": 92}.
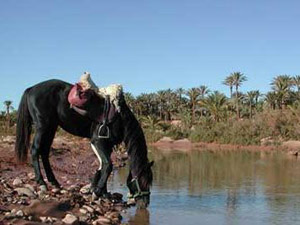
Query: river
{"x": 218, "y": 187}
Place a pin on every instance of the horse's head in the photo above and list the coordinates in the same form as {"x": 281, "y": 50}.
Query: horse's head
{"x": 139, "y": 184}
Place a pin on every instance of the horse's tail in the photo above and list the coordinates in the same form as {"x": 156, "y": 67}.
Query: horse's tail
{"x": 23, "y": 129}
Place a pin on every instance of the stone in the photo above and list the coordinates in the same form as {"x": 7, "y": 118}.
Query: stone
{"x": 63, "y": 191}
{"x": 70, "y": 219}
{"x": 31, "y": 176}
{"x": 17, "y": 182}
{"x": 55, "y": 190}
{"x": 83, "y": 211}
{"x": 102, "y": 220}
{"x": 88, "y": 208}
{"x": 85, "y": 189}
{"x": 29, "y": 187}
{"x": 43, "y": 219}
{"x": 25, "y": 191}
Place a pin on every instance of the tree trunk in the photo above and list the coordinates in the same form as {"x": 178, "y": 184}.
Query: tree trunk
{"x": 237, "y": 102}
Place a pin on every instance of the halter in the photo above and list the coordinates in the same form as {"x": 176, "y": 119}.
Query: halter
{"x": 135, "y": 182}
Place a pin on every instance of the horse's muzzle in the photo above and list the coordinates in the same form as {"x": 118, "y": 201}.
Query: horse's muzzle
{"x": 142, "y": 202}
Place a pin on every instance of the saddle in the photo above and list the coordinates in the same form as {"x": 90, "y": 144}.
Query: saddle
{"x": 79, "y": 96}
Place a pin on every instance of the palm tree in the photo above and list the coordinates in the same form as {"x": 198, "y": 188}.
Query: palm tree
{"x": 296, "y": 82}
{"x": 215, "y": 103}
{"x": 271, "y": 99}
{"x": 229, "y": 82}
{"x": 8, "y": 106}
{"x": 193, "y": 94}
{"x": 130, "y": 100}
{"x": 250, "y": 96}
{"x": 203, "y": 91}
{"x": 161, "y": 102}
{"x": 151, "y": 122}
{"x": 282, "y": 86}
{"x": 238, "y": 79}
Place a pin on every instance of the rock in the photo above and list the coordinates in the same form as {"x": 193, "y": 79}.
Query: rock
{"x": 73, "y": 187}
{"x": 63, "y": 191}
{"x": 30, "y": 187}
{"x": 43, "y": 219}
{"x": 88, "y": 208}
{"x": 70, "y": 219}
{"x": 83, "y": 211}
{"x": 102, "y": 220}
{"x": 9, "y": 139}
{"x": 166, "y": 139}
{"x": 17, "y": 182}
{"x": 117, "y": 196}
{"x": 25, "y": 191}
{"x": 43, "y": 188}
{"x": 31, "y": 176}
{"x": 13, "y": 211}
{"x": 86, "y": 189}
{"x": 19, "y": 213}
{"x": 55, "y": 190}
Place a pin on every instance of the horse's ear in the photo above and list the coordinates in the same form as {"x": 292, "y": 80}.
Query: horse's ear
{"x": 151, "y": 164}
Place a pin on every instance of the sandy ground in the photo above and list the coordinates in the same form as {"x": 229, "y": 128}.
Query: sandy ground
{"x": 73, "y": 162}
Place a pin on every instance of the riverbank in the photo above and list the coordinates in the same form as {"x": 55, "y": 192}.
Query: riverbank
{"x": 166, "y": 143}
{"x": 23, "y": 202}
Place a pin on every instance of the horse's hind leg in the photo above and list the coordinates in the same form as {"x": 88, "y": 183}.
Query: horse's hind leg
{"x": 45, "y": 156}
{"x": 35, "y": 154}
{"x": 41, "y": 147}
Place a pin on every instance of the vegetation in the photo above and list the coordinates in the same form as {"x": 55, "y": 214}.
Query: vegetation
{"x": 210, "y": 116}
{"x": 205, "y": 115}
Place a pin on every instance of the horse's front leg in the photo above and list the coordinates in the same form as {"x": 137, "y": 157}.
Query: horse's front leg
{"x": 99, "y": 183}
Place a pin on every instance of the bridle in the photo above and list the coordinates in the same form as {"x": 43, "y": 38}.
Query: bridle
{"x": 135, "y": 182}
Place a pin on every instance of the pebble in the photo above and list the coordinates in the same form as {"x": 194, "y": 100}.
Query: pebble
{"x": 88, "y": 208}
{"x": 70, "y": 219}
{"x": 102, "y": 220}
{"x": 85, "y": 189}
{"x": 17, "y": 182}
{"x": 31, "y": 176}
{"x": 83, "y": 211}
{"x": 43, "y": 219}
{"x": 63, "y": 191}
{"x": 20, "y": 213}
{"x": 25, "y": 191}
{"x": 29, "y": 187}
{"x": 55, "y": 190}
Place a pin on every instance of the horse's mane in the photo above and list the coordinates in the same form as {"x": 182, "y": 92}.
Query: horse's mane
{"x": 135, "y": 142}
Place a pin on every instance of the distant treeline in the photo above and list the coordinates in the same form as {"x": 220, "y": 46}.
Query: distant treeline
{"x": 206, "y": 115}
{"x": 201, "y": 114}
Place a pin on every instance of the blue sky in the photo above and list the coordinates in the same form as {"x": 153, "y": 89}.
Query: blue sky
{"x": 147, "y": 45}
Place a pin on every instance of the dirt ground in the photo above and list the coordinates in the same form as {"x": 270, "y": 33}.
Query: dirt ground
{"x": 73, "y": 163}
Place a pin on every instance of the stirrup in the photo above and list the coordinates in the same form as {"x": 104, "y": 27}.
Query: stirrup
{"x": 107, "y": 133}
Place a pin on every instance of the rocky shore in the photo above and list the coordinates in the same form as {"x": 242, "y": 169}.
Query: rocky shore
{"x": 73, "y": 162}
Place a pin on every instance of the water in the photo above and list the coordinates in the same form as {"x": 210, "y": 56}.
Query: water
{"x": 230, "y": 187}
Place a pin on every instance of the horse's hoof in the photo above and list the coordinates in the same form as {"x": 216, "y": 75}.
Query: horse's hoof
{"x": 43, "y": 188}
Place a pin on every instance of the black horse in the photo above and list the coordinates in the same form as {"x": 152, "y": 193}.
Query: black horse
{"x": 46, "y": 106}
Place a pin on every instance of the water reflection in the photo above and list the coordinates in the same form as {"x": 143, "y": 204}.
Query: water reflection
{"x": 220, "y": 188}
{"x": 141, "y": 216}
